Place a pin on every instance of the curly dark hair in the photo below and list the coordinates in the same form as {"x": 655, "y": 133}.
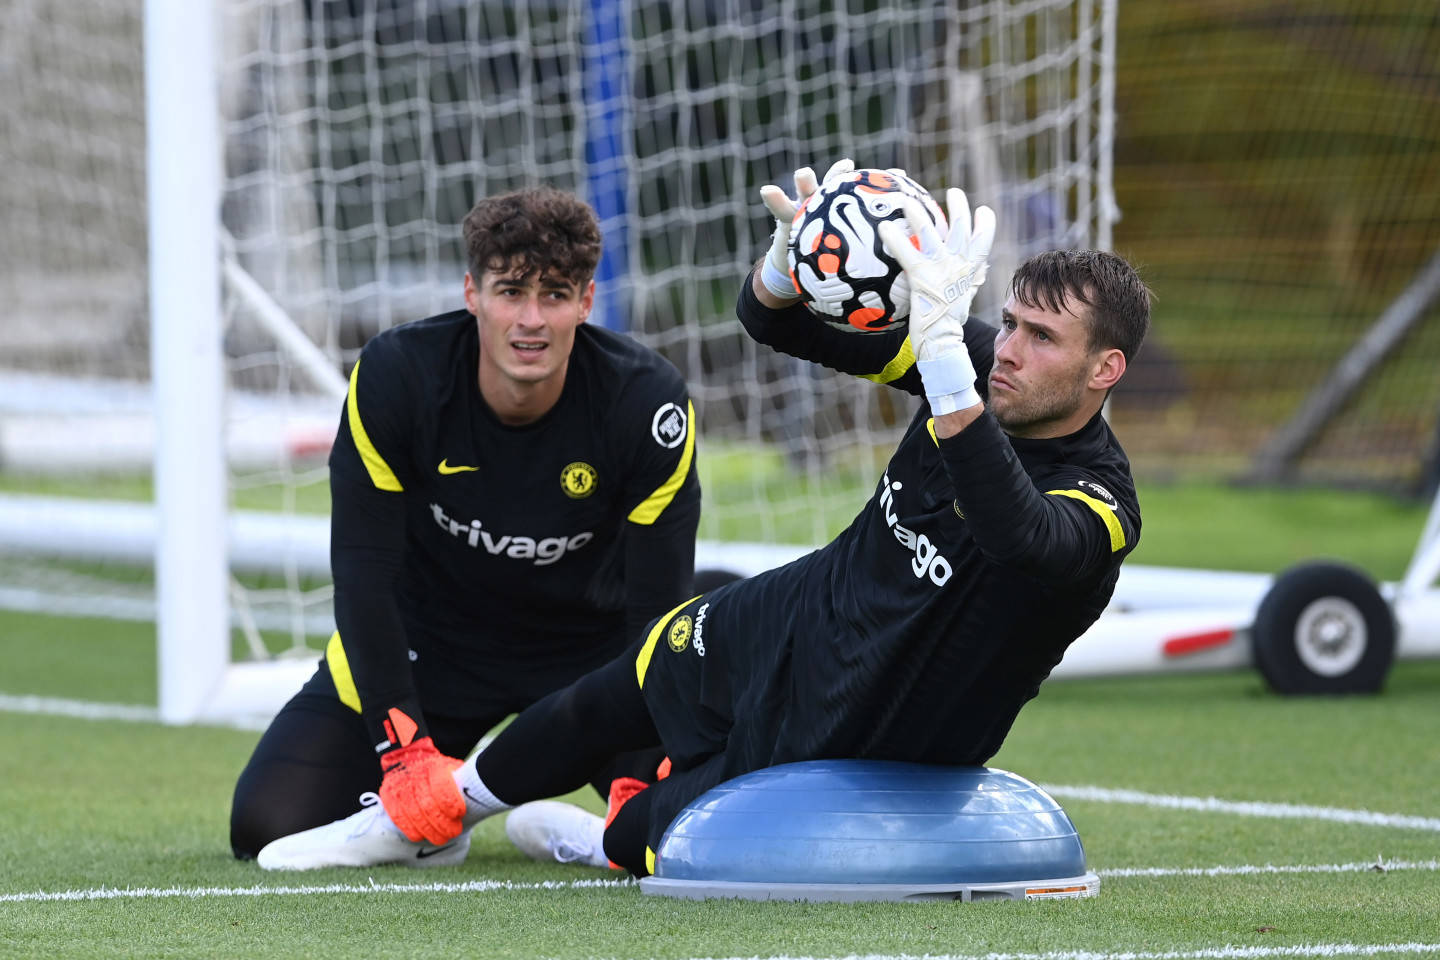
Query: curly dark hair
{"x": 536, "y": 230}
{"x": 1118, "y": 299}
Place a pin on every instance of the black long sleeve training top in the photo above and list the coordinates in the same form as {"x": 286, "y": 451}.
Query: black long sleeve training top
{"x": 921, "y": 630}
{"x": 469, "y": 555}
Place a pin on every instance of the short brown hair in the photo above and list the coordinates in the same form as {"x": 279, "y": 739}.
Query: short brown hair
{"x": 537, "y": 230}
{"x": 1118, "y": 299}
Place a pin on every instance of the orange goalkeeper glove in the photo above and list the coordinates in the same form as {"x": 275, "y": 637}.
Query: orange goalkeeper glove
{"x": 420, "y": 794}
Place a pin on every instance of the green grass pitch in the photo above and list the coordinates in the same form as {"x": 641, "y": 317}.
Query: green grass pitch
{"x": 129, "y": 820}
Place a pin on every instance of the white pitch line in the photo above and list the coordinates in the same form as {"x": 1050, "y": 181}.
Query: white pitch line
{"x": 494, "y": 886}
{"x": 1227, "y": 952}
{"x": 83, "y": 709}
{"x": 95, "y": 710}
{"x": 1245, "y": 869}
{"x": 198, "y": 893}
{"x": 1369, "y": 818}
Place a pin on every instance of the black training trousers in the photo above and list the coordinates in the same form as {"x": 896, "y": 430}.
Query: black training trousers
{"x": 316, "y": 758}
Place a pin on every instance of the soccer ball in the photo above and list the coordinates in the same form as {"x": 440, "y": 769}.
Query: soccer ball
{"x": 837, "y": 260}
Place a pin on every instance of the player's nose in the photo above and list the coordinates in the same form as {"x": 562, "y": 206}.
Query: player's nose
{"x": 1007, "y": 351}
{"x": 531, "y": 317}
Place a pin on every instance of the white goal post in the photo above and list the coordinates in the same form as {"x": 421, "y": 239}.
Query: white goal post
{"x": 305, "y": 168}
{"x": 187, "y": 359}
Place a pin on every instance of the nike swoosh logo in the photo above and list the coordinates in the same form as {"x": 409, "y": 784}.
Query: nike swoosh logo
{"x": 423, "y": 852}
{"x": 446, "y": 469}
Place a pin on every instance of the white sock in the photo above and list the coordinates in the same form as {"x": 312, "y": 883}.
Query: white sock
{"x": 479, "y": 801}
{"x": 597, "y": 857}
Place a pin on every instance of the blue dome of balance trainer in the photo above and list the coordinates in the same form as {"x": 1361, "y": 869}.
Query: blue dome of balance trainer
{"x": 874, "y": 823}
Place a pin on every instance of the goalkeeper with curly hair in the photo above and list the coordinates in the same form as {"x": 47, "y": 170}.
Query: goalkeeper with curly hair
{"x": 514, "y": 495}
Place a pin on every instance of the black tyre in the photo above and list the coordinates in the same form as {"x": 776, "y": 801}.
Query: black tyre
{"x": 1324, "y": 628}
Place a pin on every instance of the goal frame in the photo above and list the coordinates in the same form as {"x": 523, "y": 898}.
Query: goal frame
{"x": 183, "y": 181}
{"x": 193, "y": 525}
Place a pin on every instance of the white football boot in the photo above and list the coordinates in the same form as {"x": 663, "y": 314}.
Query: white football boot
{"x": 365, "y": 839}
{"x": 555, "y": 832}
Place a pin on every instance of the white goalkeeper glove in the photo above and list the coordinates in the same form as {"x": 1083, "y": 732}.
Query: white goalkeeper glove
{"x": 944, "y": 275}
{"x": 775, "y": 271}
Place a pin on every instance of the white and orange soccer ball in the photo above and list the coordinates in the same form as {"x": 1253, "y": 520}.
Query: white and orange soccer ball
{"x": 837, "y": 260}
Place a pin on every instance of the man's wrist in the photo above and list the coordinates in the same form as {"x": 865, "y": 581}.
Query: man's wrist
{"x": 763, "y": 293}
{"x": 949, "y": 381}
{"x": 396, "y": 724}
{"x": 943, "y": 404}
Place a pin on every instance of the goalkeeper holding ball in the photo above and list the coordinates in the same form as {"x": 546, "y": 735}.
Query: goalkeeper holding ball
{"x": 514, "y": 496}
{"x": 993, "y": 539}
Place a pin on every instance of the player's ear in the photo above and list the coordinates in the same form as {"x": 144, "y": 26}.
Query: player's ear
{"x": 472, "y": 294}
{"x": 1107, "y": 369}
{"x": 587, "y": 301}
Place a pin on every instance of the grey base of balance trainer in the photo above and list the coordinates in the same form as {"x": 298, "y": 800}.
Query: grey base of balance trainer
{"x": 1086, "y": 886}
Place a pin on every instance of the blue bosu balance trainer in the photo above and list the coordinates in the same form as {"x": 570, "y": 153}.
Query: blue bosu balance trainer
{"x": 872, "y": 830}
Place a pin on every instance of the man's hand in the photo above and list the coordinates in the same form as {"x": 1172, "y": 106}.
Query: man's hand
{"x": 775, "y": 270}
{"x": 420, "y": 794}
{"x": 944, "y": 275}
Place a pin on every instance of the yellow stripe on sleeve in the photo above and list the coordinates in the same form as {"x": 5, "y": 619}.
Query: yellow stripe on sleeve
{"x": 642, "y": 662}
{"x": 930, "y": 425}
{"x": 652, "y": 506}
{"x": 898, "y": 366}
{"x": 1112, "y": 522}
{"x": 340, "y": 672}
{"x": 380, "y": 473}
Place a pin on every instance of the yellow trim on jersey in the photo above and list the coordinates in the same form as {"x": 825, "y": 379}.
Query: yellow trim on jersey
{"x": 380, "y": 473}
{"x": 898, "y": 366}
{"x": 1112, "y": 522}
{"x": 340, "y": 672}
{"x": 652, "y": 506}
{"x": 650, "y": 861}
{"x": 642, "y": 662}
{"x": 930, "y": 425}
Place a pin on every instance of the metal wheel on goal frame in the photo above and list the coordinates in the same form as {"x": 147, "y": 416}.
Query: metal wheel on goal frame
{"x": 1324, "y": 628}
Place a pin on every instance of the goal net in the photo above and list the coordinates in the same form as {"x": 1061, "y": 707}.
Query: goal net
{"x": 1277, "y": 167}
{"x": 354, "y": 136}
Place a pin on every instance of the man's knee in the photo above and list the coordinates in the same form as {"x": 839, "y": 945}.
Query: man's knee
{"x": 250, "y": 826}
{"x": 633, "y": 837}
{"x": 303, "y": 773}
{"x": 627, "y": 835}
{"x": 274, "y": 800}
